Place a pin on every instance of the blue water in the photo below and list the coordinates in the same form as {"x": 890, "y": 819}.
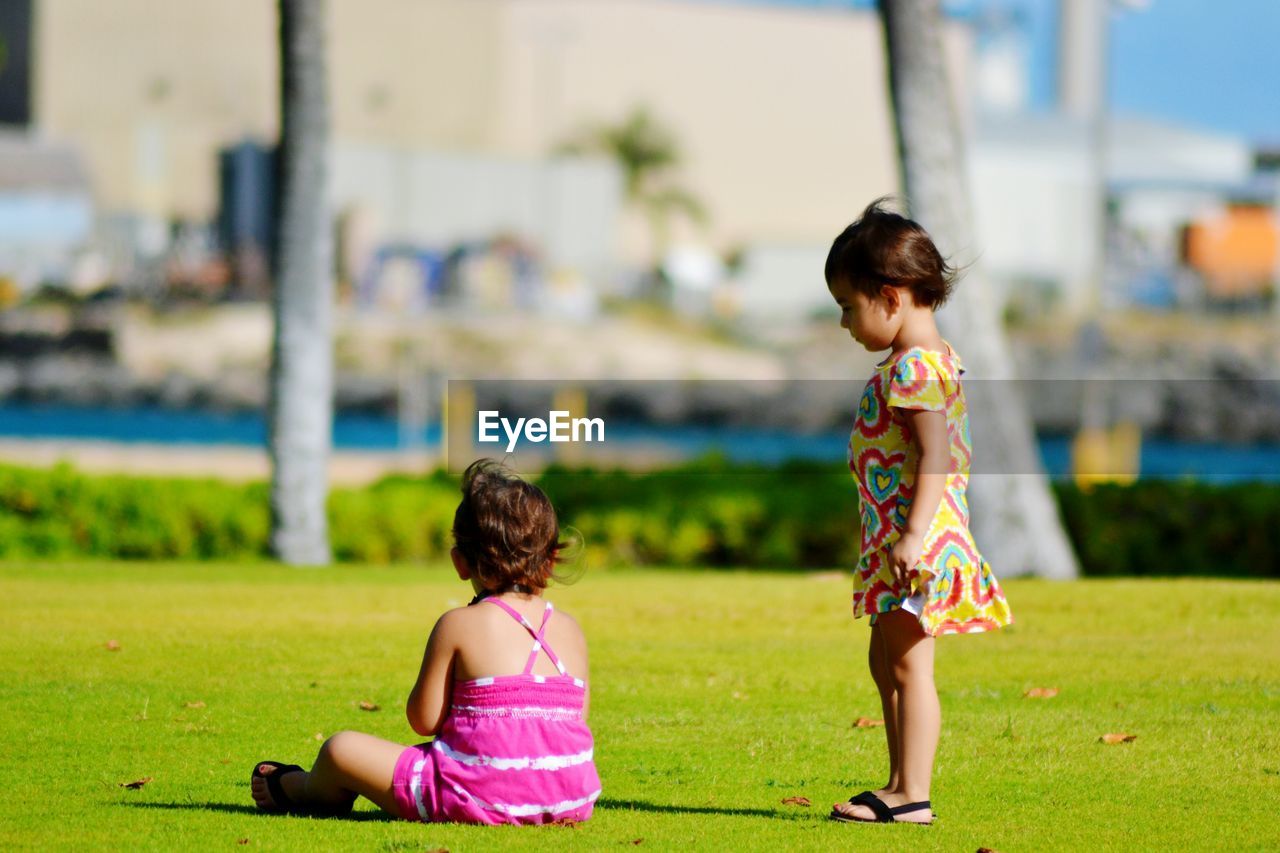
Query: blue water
{"x": 1159, "y": 459}
{"x": 174, "y": 426}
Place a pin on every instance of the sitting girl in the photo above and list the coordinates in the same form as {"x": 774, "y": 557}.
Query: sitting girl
{"x": 503, "y": 688}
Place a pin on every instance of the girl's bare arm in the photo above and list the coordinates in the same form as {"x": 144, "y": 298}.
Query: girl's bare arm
{"x": 429, "y": 700}
{"x": 930, "y": 431}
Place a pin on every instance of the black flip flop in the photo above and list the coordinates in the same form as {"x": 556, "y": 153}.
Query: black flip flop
{"x": 863, "y": 799}
{"x": 882, "y": 811}
{"x": 278, "y": 797}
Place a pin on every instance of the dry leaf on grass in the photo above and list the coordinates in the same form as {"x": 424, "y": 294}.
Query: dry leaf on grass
{"x": 637, "y": 841}
{"x": 196, "y": 704}
{"x": 136, "y": 783}
{"x": 1041, "y": 693}
{"x": 797, "y": 801}
{"x": 319, "y": 735}
{"x": 986, "y": 850}
{"x": 566, "y": 822}
{"x": 242, "y": 841}
{"x": 366, "y": 705}
{"x": 867, "y": 723}
{"x": 1117, "y": 738}
{"x": 111, "y": 645}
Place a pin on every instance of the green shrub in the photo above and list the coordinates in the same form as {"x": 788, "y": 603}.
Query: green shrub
{"x": 1162, "y": 527}
{"x": 708, "y": 513}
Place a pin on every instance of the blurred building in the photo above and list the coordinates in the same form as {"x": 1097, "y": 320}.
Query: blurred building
{"x": 446, "y": 113}
{"x": 15, "y": 62}
{"x": 1043, "y": 226}
{"x": 46, "y": 209}
{"x": 1162, "y": 180}
{"x": 1235, "y": 250}
{"x": 781, "y": 113}
{"x": 568, "y": 207}
{"x": 1079, "y": 209}
{"x": 246, "y": 214}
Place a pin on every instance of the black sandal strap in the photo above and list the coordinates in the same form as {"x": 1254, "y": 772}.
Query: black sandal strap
{"x": 881, "y": 809}
{"x": 275, "y": 787}
{"x": 862, "y": 799}
{"x": 910, "y": 807}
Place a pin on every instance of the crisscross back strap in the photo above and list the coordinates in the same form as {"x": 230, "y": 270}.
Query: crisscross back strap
{"x": 539, "y": 641}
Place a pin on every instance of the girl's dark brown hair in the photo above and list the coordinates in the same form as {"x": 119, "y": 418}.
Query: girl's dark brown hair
{"x": 883, "y": 247}
{"x": 506, "y": 528}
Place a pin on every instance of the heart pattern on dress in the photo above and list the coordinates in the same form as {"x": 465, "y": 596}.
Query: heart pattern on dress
{"x": 961, "y": 593}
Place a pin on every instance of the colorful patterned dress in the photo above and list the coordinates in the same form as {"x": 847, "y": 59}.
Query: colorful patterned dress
{"x": 952, "y": 589}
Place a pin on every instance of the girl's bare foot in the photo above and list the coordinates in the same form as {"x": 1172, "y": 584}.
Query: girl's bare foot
{"x": 846, "y": 808}
{"x": 892, "y": 799}
{"x": 293, "y": 782}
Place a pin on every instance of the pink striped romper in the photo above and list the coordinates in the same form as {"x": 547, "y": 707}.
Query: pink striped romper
{"x": 512, "y": 749}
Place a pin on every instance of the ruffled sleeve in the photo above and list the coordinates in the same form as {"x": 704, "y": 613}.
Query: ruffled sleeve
{"x": 915, "y": 382}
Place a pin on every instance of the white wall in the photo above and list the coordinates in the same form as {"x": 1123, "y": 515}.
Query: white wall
{"x": 39, "y": 233}
{"x": 1141, "y": 151}
{"x": 1038, "y": 216}
{"x": 782, "y": 113}
{"x": 783, "y": 282}
{"x": 569, "y": 208}
{"x": 1034, "y": 203}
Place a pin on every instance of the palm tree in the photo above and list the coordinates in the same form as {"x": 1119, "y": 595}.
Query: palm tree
{"x": 300, "y": 409}
{"x": 649, "y": 156}
{"x": 1014, "y": 515}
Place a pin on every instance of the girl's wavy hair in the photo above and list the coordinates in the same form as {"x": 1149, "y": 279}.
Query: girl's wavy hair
{"x": 506, "y": 528}
{"x": 882, "y": 247}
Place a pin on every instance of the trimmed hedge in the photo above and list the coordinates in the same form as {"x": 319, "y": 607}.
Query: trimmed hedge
{"x": 62, "y": 513}
{"x": 1168, "y": 527}
{"x": 710, "y": 513}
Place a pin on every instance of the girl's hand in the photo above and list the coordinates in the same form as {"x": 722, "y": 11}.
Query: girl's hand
{"x": 904, "y": 556}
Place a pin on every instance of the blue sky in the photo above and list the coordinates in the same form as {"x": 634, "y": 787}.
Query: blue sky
{"x": 1213, "y": 64}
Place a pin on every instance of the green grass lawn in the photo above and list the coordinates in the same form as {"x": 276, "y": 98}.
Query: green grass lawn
{"x": 714, "y": 696}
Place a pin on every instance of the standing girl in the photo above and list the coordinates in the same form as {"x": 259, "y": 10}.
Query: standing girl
{"x": 919, "y": 574}
{"x": 505, "y": 700}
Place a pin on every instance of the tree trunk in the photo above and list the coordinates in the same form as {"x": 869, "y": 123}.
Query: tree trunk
{"x": 301, "y": 386}
{"x": 1014, "y": 516}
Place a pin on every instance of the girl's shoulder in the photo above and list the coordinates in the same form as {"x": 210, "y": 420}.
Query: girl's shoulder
{"x": 471, "y": 616}
{"x": 452, "y": 623}
{"x": 571, "y": 629}
{"x": 918, "y": 359}
{"x": 466, "y": 620}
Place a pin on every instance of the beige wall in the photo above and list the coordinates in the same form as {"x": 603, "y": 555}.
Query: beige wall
{"x": 149, "y": 89}
{"x": 782, "y": 112}
{"x": 417, "y": 73}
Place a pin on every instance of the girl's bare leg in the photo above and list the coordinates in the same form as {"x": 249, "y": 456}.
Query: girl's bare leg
{"x": 883, "y": 677}
{"x": 881, "y": 673}
{"x": 909, "y": 653}
{"x": 350, "y": 764}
